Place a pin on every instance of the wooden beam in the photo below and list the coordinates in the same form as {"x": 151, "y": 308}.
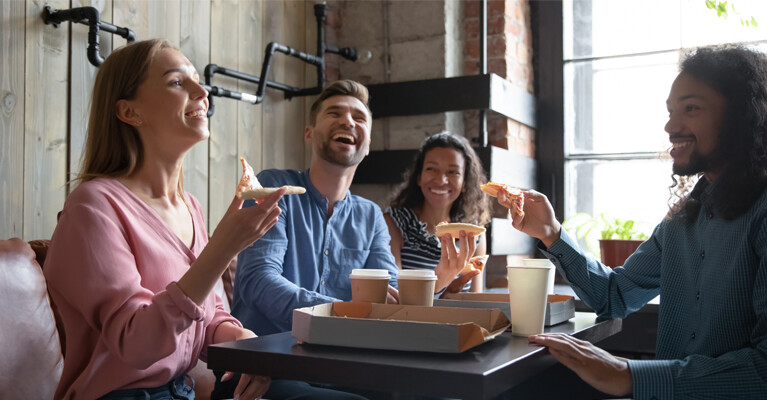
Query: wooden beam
{"x": 472, "y": 92}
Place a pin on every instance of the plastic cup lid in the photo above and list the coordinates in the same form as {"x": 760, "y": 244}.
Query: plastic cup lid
{"x": 417, "y": 274}
{"x": 370, "y": 273}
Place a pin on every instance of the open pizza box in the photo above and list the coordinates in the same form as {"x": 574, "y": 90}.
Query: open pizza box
{"x": 559, "y": 308}
{"x": 397, "y": 327}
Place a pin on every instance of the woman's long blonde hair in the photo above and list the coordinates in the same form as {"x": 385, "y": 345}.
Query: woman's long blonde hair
{"x": 113, "y": 148}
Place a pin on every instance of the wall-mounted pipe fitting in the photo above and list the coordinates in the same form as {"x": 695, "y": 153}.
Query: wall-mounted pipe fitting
{"x": 87, "y": 16}
{"x": 318, "y": 60}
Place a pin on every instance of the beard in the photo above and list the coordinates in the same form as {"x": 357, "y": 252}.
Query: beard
{"x": 696, "y": 165}
{"x": 338, "y": 158}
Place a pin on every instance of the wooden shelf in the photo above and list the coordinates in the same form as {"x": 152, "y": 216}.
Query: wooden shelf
{"x": 471, "y": 92}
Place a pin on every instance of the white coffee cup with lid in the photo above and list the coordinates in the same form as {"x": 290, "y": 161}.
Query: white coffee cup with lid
{"x": 416, "y": 287}
{"x": 370, "y": 285}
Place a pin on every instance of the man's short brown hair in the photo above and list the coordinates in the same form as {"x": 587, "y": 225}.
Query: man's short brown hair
{"x": 343, "y": 87}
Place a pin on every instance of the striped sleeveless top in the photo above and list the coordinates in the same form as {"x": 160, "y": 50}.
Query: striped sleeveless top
{"x": 420, "y": 249}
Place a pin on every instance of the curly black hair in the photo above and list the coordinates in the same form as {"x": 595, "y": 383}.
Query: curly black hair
{"x": 472, "y": 205}
{"x": 739, "y": 74}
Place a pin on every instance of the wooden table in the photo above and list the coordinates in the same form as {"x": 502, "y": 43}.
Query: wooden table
{"x": 479, "y": 373}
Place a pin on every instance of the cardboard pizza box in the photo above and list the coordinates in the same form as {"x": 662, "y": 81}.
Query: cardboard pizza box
{"x": 397, "y": 327}
{"x": 559, "y": 308}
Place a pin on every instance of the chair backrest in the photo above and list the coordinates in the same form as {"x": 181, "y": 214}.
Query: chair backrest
{"x": 29, "y": 341}
{"x": 227, "y": 281}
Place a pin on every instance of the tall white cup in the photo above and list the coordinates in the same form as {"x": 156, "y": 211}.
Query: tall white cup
{"x": 542, "y": 262}
{"x": 527, "y": 298}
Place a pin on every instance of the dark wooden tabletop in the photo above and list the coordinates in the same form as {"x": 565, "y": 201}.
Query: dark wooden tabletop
{"x": 478, "y": 373}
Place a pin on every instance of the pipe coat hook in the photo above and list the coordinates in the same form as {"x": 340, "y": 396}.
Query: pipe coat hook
{"x": 87, "y": 16}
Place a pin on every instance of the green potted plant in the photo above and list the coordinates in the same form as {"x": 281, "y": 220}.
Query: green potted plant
{"x": 618, "y": 238}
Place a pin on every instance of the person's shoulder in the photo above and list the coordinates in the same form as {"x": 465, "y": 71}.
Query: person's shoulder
{"x": 193, "y": 201}
{"x": 104, "y": 194}
{"x": 95, "y": 191}
{"x": 279, "y": 177}
{"x": 759, "y": 209}
{"x": 398, "y": 213}
{"x": 362, "y": 203}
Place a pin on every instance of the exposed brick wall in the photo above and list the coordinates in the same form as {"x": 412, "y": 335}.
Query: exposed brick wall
{"x": 415, "y": 49}
{"x": 509, "y": 55}
{"x": 435, "y": 39}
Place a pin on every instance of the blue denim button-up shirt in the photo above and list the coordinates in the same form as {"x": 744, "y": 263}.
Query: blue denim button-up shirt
{"x": 306, "y": 258}
{"x": 711, "y": 275}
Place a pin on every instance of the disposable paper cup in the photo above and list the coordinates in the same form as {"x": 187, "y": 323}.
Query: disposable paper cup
{"x": 542, "y": 262}
{"x": 416, "y": 287}
{"x": 527, "y": 298}
{"x": 370, "y": 285}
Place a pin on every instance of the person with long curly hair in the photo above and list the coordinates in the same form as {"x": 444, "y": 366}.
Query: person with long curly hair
{"x": 442, "y": 184}
{"x": 707, "y": 259}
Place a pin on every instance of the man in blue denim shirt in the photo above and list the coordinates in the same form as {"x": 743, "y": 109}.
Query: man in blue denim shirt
{"x": 707, "y": 259}
{"x": 306, "y": 258}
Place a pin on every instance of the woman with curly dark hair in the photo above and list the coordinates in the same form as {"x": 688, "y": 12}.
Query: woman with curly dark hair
{"x": 442, "y": 184}
{"x": 707, "y": 260}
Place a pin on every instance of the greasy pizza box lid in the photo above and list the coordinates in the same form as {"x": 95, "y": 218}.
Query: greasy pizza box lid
{"x": 560, "y": 307}
{"x": 397, "y": 327}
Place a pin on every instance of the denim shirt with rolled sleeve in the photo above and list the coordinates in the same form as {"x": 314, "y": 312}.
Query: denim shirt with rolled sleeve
{"x": 711, "y": 275}
{"x": 306, "y": 258}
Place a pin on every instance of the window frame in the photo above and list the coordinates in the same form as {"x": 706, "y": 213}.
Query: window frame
{"x": 548, "y": 36}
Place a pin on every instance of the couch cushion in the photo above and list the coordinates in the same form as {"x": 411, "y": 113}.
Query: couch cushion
{"x": 29, "y": 342}
{"x": 40, "y": 247}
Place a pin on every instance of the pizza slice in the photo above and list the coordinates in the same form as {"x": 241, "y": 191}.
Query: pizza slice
{"x": 476, "y": 263}
{"x": 250, "y": 188}
{"x": 455, "y": 228}
{"x": 516, "y": 195}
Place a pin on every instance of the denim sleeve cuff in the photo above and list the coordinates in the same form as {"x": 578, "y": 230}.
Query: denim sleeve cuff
{"x": 651, "y": 379}
{"x": 184, "y": 303}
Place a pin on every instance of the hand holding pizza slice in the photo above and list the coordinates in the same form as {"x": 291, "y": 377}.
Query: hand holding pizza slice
{"x": 512, "y": 194}
{"x": 250, "y": 188}
{"x": 476, "y": 263}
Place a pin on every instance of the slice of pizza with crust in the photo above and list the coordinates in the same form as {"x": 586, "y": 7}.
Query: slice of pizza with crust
{"x": 517, "y": 196}
{"x": 455, "y": 228}
{"x": 476, "y": 263}
{"x": 250, "y": 188}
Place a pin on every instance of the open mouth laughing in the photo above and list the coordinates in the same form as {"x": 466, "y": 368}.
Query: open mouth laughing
{"x": 344, "y": 138}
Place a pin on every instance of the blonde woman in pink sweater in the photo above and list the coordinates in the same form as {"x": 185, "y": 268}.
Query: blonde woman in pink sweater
{"x": 130, "y": 265}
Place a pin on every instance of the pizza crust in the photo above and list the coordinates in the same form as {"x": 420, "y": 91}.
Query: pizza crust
{"x": 263, "y": 192}
{"x": 455, "y": 228}
{"x": 475, "y": 263}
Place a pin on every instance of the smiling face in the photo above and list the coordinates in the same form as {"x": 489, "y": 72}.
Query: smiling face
{"x": 170, "y": 106}
{"x": 441, "y": 178}
{"x": 696, "y": 112}
{"x": 341, "y": 132}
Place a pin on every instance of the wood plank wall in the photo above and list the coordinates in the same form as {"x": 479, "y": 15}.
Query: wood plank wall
{"x": 46, "y": 80}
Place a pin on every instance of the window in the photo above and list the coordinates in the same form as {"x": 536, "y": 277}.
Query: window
{"x": 619, "y": 60}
